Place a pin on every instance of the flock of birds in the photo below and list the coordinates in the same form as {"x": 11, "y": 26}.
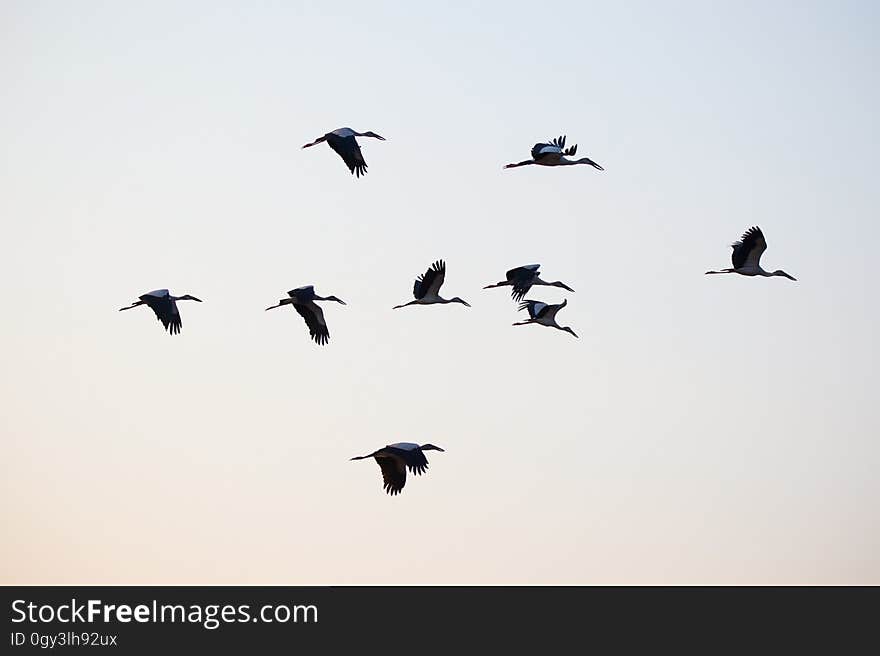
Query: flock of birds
{"x": 395, "y": 459}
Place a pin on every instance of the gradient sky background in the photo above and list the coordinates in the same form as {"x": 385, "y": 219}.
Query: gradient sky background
{"x": 702, "y": 430}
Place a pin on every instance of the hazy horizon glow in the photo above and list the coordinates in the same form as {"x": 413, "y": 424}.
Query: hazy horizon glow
{"x": 703, "y": 429}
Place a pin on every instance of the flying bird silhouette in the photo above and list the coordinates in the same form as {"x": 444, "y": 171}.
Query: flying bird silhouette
{"x": 426, "y": 288}
{"x": 543, "y": 314}
{"x": 303, "y": 301}
{"x": 523, "y": 278}
{"x": 164, "y": 305}
{"x": 343, "y": 141}
{"x": 554, "y": 153}
{"x": 746, "y": 256}
{"x": 395, "y": 459}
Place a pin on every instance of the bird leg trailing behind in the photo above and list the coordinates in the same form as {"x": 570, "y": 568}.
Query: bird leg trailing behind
{"x": 721, "y": 271}
{"x": 316, "y": 142}
{"x": 283, "y": 301}
{"x": 514, "y": 165}
{"x": 133, "y": 305}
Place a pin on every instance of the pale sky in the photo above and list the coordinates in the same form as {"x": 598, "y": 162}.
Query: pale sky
{"x": 703, "y": 429}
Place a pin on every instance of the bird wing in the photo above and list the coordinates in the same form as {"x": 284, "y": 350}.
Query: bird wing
{"x": 545, "y": 150}
{"x": 413, "y": 458}
{"x": 522, "y": 279}
{"x": 165, "y": 310}
{"x": 314, "y": 316}
{"x": 559, "y": 143}
{"x": 302, "y": 293}
{"x": 549, "y": 311}
{"x": 393, "y": 473}
{"x": 350, "y": 152}
{"x": 535, "y": 308}
{"x": 748, "y": 250}
{"x": 525, "y": 270}
{"x": 429, "y": 283}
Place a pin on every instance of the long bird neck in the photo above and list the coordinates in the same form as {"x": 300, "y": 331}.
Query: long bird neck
{"x": 555, "y": 283}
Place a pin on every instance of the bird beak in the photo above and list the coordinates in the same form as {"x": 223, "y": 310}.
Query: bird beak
{"x": 466, "y": 303}
{"x": 567, "y": 287}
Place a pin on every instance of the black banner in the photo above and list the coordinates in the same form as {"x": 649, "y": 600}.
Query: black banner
{"x": 144, "y": 619}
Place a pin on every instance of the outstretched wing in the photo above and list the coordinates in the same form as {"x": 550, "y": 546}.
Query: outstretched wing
{"x": 522, "y": 279}
{"x": 350, "y": 152}
{"x": 527, "y": 270}
{"x": 535, "y": 308}
{"x": 429, "y": 283}
{"x": 314, "y": 316}
{"x": 303, "y": 294}
{"x": 165, "y": 310}
{"x": 393, "y": 473}
{"x": 413, "y": 458}
{"x": 748, "y": 250}
{"x": 548, "y": 150}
